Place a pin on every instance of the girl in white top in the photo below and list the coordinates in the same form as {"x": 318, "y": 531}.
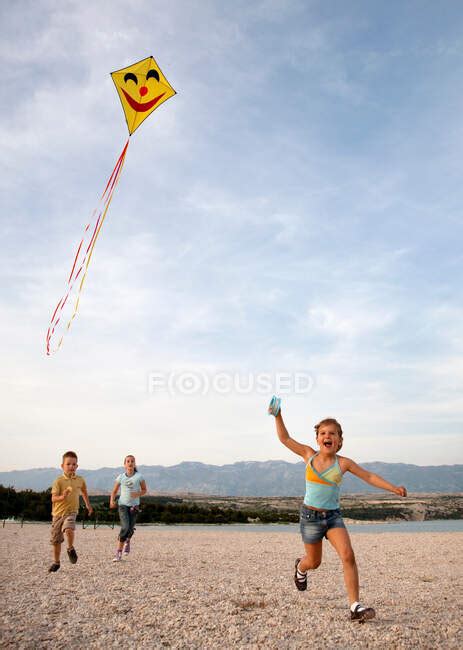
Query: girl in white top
{"x": 133, "y": 486}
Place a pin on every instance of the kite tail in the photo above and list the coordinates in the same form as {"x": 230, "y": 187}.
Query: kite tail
{"x": 83, "y": 256}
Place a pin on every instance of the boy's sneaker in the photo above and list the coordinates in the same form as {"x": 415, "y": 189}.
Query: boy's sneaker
{"x": 72, "y": 555}
{"x": 362, "y": 614}
{"x": 118, "y": 556}
{"x": 54, "y": 567}
{"x": 127, "y": 547}
{"x": 300, "y": 579}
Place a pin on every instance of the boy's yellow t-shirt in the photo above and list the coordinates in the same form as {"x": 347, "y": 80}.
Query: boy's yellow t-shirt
{"x": 71, "y": 502}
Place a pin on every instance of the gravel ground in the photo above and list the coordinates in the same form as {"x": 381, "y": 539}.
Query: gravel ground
{"x": 183, "y": 588}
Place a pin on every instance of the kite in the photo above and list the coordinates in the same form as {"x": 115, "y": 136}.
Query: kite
{"x": 141, "y": 88}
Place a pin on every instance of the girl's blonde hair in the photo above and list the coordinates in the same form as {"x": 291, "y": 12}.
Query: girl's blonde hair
{"x": 330, "y": 421}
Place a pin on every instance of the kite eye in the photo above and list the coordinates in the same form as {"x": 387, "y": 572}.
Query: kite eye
{"x": 152, "y": 73}
{"x": 130, "y": 77}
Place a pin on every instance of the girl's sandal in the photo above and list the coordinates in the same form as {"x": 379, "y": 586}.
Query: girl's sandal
{"x": 301, "y": 583}
{"x": 362, "y": 614}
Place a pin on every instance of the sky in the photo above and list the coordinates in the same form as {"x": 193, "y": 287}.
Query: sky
{"x": 289, "y": 222}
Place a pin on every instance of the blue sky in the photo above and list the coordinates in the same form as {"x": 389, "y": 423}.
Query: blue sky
{"x": 295, "y": 208}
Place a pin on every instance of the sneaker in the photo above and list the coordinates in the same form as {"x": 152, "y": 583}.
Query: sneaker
{"x": 127, "y": 547}
{"x": 301, "y": 583}
{"x": 72, "y": 555}
{"x": 54, "y": 567}
{"x": 362, "y": 614}
{"x": 118, "y": 556}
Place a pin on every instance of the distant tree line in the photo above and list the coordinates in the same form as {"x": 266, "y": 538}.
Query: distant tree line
{"x": 36, "y": 506}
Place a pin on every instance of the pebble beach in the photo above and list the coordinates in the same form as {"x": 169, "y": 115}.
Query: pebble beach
{"x": 220, "y": 588}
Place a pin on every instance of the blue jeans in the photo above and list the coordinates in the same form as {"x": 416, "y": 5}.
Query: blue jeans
{"x": 128, "y": 517}
{"x": 315, "y": 524}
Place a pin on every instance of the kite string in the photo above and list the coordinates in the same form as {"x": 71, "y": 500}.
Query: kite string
{"x": 95, "y": 237}
{"x": 105, "y": 201}
{"x": 86, "y": 259}
{"x": 117, "y": 166}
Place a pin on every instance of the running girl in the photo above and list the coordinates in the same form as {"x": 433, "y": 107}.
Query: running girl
{"x": 320, "y": 515}
{"x": 133, "y": 487}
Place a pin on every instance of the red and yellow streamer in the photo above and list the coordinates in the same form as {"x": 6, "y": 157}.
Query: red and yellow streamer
{"x": 82, "y": 260}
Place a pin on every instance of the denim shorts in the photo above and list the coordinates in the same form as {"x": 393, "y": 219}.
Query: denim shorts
{"x": 314, "y": 524}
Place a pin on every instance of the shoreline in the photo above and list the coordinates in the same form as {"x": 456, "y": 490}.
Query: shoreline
{"x": 440, "y": 524}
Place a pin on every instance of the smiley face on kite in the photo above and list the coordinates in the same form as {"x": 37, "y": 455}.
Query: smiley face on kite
{"x": 142, "y": 88}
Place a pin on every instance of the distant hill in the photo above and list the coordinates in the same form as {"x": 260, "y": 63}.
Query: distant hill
{"x": 269, "y": 478}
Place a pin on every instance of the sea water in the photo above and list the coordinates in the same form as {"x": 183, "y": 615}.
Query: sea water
{"x": 431, "y": 526}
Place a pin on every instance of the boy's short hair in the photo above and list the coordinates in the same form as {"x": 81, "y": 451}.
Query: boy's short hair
{"x": 330, "y": 421}
{"x": 69, "y": 454}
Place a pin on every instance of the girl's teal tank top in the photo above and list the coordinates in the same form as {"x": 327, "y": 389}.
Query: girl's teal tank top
{"x": 322, "y": 490}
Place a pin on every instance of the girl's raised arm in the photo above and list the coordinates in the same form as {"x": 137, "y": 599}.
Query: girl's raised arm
{"x": 371, "y": 478}
{"x": 298, "y": 448}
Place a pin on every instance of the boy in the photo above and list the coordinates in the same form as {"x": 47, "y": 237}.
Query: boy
{"x": 65, "y": 494}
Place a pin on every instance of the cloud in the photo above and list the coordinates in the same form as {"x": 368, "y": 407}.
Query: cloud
{"x": 294, "y": 208}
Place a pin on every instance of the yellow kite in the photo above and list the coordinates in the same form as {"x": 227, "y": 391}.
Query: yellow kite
{"x": 142, "y": 88}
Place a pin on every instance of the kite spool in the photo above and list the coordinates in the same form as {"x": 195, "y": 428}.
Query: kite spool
{"x": 274, "y": 406}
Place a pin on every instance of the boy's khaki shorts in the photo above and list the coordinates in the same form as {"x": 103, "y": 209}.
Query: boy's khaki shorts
{"x": 59, "y": 525}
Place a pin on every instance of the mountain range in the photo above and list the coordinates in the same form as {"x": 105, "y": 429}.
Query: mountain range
{"x": 247, "y": 478}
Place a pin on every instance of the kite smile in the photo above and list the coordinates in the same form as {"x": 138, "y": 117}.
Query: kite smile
{"x": 137, "y": 106}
